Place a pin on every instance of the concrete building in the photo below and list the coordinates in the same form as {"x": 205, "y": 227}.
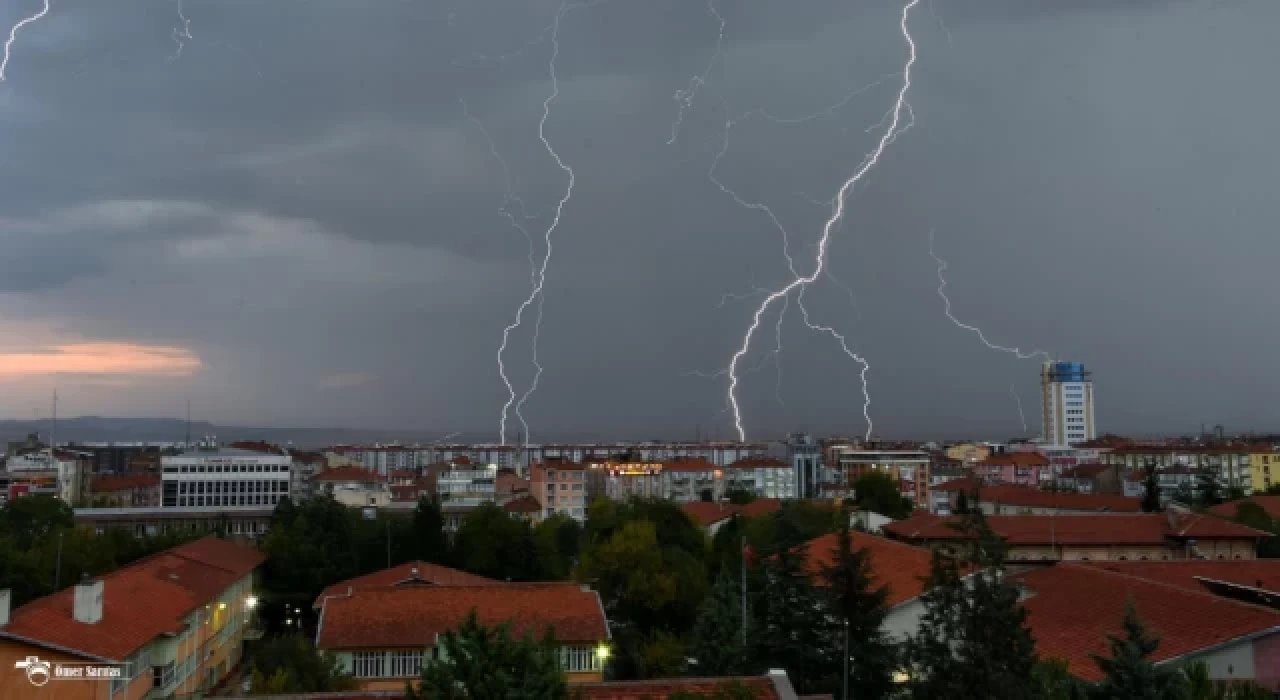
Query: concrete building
{"x": 910, "y": 468}
{"x": 410, "y": 619}
{"x": 804, "y": 455}
{"x": 174, "y": 623}
{"x": 354, "y": 487}
{"x": 764, "y": 477}
{"x": 218, "y": 476}
{"x": 125, "y": 491}
{"x": 247, "y": 522}
{"x": 1264, "y": 468}
{"x": 1232, "y": 463}
{"x": 1066, "y": 398}
{"x": 466, "y": 485}
{"x": 565, "y": 487}
{"x": 61, "y": 473}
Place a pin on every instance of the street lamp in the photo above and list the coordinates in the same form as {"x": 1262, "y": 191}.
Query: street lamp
{"x": 251, "y": 602}
{"x": 602, "y": 652}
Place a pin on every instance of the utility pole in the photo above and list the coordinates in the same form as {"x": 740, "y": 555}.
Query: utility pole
{"x": 388, "y": 543}
{"x": 57, "y": 567}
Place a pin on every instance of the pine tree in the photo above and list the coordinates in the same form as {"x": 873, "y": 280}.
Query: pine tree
{"x": 860, "y": 609}
{"x": 797, "y": 630}
{"x": 717, "y": 644}
{"x": 1129, "y": 673}
{"x": 482, "y": 663}
{"x": 1208, "y": 491}
{"x": 1150, "y": 489}
{"x": 973, "y": 639}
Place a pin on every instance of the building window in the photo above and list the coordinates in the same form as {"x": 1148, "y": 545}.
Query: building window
{"x": 367, "y": 664}
{"x": 578, "y": 659}
{"x": 406, "y": 663}
{"x": 162, "y": 676}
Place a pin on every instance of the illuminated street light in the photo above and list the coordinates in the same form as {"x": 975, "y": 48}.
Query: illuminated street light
{"x": 602, "y": 652}
{"x": 251, "y": 602}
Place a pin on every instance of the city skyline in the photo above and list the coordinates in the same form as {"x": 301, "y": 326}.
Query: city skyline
{"x": 293, "y": 222}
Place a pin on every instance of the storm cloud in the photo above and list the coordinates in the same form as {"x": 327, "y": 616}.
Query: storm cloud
{"x": 294, "y": 209}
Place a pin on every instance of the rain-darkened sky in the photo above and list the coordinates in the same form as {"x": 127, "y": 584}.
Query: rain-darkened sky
{"x": 295, "y": 220}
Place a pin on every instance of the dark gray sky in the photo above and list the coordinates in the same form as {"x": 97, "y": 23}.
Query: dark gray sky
{"x": 293, "y": 223}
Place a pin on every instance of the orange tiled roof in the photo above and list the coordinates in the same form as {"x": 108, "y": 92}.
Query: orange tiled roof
{"x": 689, "y": 464}
{"x": 349, "y": 474}
{"x": 258, "y": 446}
{"x": 758, "y": 462}
{"x": 966, "y": 484}
{"x": 759, "y": 507}
{"x": 124, "y": 482}
{"x": 901, "y": 567}
{"x": 1137, "y": 529}
{"x": 140, "y": 602}
{"x": 1263, "y": 574}
{"x": 1271, "y": 504}
{"x": 1073, "y": 607}
{"x": 414, "y": 616}
{"x": 761, "y": 687}
{"x": 706, "y": 513}
{"x": 510, "y": 483}
{"x": 408, "y": 573}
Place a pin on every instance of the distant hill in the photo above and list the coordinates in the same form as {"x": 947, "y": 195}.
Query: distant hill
{"x": 100, "y": 429}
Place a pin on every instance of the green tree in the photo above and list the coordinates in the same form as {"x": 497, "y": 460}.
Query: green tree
{"x": 717, "y": 644}
{"x": 427, "y": 526}
{"x": 31, "y": 519}
{"x": 1129, "y": 674}
{"x": 1252, "y": 515}
{"x": 729, "y": 690}
{"x": 1053, "y": 682}
{"x": 558, "y": 540}
{"x": 1208, "y": 490}
{"x": 1151, "y": 488}
{"x": 483, "y": 663}
{"x": 740, "y": 497}
{"x": 492, "y": 543}
{"x": 878, "y": 492}
{"x": 860, "y": 607}
{"x": 973, "y": 639}
{"x": 962, "y": 503}
{"x": 798, "y": 629}
{"x": 291, "y": 664}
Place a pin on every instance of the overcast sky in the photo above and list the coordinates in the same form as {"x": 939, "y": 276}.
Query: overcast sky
{"x": 292, "y": 221}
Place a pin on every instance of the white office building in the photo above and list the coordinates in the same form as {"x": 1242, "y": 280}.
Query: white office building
{"x": 212, "y": 476}
{"x": 1067, "y": 403}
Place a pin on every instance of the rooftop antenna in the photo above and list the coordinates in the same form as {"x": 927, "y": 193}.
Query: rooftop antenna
{"x": 54, "y": 427}
{"x": 187, "y": 444}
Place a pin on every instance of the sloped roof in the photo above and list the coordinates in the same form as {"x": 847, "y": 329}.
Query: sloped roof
{"x": 388, "y": 617}
{"x": 1135, "y": 529}
{"x": 358, "y": 474}
{"x": 124, "y": 482}
{"x": 408, "y": 573}
{"x": 654, "y": 689}
{"x": 1271, "y": 504}
{"x": 899, "y": 566}
{"x": 1263, "y": 574}
{"x": 1073, "y": 607}
{"x": 140, "y": 602}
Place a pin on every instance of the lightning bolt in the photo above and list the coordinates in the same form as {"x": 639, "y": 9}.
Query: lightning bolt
{"x": 684, "y": 97}
{"x": 801, "y": 282}
{"x": 536, "y": 293}
{"x": 13, "y": 34}
{"x": 1021, "y": 416}
{"x": 180, "y": 36}
{"x": 942, "y": 287}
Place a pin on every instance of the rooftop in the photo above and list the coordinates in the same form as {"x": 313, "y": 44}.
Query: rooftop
{"x": 1027, "y": 497}
{"x": 900, "y": 567}
{"x": 141, "y": 601}
{"x": 414, "y": 616}
{"x": 358, "y": 474}
{"x": 1270, "y": 504}
{"x": 124, "y": 482}
{"x": 1072, "y": 607}
{"x": 1089, "y": 529}
{"x": 1262, "y": 574}
{"x": 411, "y": 573}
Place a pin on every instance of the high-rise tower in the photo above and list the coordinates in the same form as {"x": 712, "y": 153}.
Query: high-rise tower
{"x": 1066, "y": 402}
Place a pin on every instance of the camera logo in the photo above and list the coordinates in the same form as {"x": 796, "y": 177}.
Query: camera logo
{"x": 38, "y": 672}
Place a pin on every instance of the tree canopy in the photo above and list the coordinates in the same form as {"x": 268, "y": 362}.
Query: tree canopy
{"x": 488, "y": 663}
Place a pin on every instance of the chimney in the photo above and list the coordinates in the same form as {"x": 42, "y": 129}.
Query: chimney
{"x": 4, "y": 606}
{"x": 88, "y": 601}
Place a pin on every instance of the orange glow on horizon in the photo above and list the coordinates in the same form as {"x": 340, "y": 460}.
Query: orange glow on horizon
{"x": 100, "y": 359}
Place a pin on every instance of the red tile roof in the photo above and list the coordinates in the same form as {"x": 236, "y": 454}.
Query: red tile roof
{"x": 966, "y": 484}
{"x": 901, "y": 567}
{"x": 408, "y": 573}
{"x": 706, "y": 513}
{"x": 124, "y": 482}
{"x": 258, "y": 446}
{"x": 1271, "y": 504}
{"x": 689, "y": 464}
{"x": 1073, "y": 607}
{"x": 349, "y": 474}
{"x": 414, "y": 616}
{"x": 1263, "y": 574}
{"x": 1143, "y": 529}
{"x": 510, "y": 483}
{"x": 759, "y": 507}
{"x": 1085, "y": 471}
{"x": 140, "y": 602}
{"x": 760, "y": 686}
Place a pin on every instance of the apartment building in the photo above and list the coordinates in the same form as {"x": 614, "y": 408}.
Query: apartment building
{"x": 355, "y": 487}
{"x": 1008, "y": 499}
{"x": 764, "y": 477}
{"x": 565, "y": 487}
{"x": 174, "y": 622}
{"x": 210, "y": 475}
{"x": 1231, "y": 463}
{"x": 466, "y": 485}
{"x": 411, "y": 619}
{"x": 910, "y": 468}
{"x": 968, "y": 452}
{"x": 1066, "y": 398}
{"x": 61, "y": 473}
{"x": 125, "y": 490}
{"x": 1020, "y": 468}
{"x": 1264, "y": 468}
{"x": 247, "y": 522}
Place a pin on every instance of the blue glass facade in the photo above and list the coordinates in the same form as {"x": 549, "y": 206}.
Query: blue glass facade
{"x": 1067, "y": 372}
